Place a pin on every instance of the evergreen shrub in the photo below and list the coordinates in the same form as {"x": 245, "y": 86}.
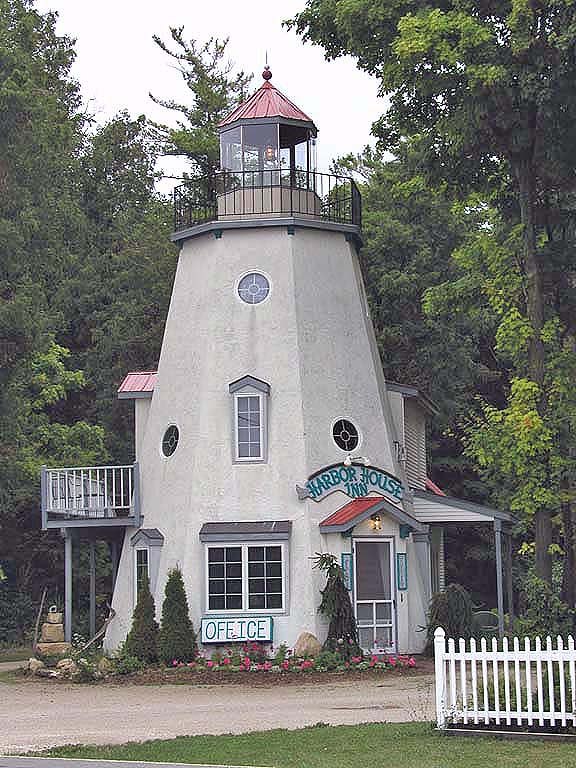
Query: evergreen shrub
{"x": 453, "y": 610}
{"x": 336, "y": 605}
{"x": 142, "y": 640}
{"x": 177, "y": 639}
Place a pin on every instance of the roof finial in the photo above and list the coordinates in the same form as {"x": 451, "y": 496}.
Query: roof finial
{"x": 267, "y": 74}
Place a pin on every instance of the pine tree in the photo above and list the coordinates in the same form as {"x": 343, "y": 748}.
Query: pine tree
{"x": 342, "y": 632}
{"x": 177, "y": 637}
{"x": 142, "y": 640}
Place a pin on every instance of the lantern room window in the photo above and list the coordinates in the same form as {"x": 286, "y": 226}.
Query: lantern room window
{"x": 269, "y": 154}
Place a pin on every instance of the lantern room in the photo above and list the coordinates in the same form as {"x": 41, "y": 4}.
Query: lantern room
{"x": 268, "y": 140}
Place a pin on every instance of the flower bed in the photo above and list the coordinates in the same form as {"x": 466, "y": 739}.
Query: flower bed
{"x": 254, "y": 657}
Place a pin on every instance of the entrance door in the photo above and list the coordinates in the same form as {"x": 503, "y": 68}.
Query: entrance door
{"x": 375, "y": 604}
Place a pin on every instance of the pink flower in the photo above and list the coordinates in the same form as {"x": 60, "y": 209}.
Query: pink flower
{"x": 247, "y": 661}
{"x": 209, "y": 664}
{"x": 285, "y": 665}
{"x": 226, "y": 660}
{"x": 356, "y": 659}
{"x": 392, "y": 661}
{"x": 411, "y": 661}
{"x": 374, "y": 659}
{"x": 267, "y": 666}
{"x": 174, "y": 662}
{"x": 191, "y": 663}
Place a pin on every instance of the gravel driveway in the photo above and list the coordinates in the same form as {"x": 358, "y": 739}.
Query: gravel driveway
{"x": 36, "y": 715}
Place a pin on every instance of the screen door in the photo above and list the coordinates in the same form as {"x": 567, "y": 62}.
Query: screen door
{"x": 375, "y": 605}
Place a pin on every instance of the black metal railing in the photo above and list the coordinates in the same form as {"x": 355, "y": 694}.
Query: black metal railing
{"x": 250, "y": 194}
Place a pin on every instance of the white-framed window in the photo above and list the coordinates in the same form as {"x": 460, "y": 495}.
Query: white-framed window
{"x": 246, "y": 577}
{"x": 141, "y": 569}
{"x": 250, "y": 420}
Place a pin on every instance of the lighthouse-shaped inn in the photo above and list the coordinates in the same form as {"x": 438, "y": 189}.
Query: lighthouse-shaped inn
{"x": 268, "y": 432}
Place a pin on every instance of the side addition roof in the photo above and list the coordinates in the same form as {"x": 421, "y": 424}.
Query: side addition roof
{"x": 430, "y": 508}
{"x": 411, "y": 392}
{"x": 137, "y": 384}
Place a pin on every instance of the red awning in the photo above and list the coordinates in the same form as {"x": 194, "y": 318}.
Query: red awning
{"x": 137, "y": 384}
{"x": 349, "y": 512}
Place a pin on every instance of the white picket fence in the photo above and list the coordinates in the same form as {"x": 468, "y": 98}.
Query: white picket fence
{"x": 513, "y": 683}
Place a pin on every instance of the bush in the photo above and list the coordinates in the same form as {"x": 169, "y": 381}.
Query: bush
{"x": 17, "y": 615}
{"x": 142, "y": 640}
{"x": 452, "y": 610}
{"x": 126, "y": 664}
{"x": 342, "y": 631}
{"x": 177, "y": 639}
{"x": 545, "y": 613}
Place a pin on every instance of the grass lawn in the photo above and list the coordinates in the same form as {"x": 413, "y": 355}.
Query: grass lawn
{"x": 15, "y": 654}
{"x": 408, "y": 745}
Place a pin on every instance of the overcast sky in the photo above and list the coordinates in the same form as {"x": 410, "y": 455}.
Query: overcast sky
{"x": 118, "y": 63}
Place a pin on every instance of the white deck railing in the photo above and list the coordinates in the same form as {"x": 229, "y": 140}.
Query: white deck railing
{"x": 512, "y": 683}
{"x": 77, "y": 493}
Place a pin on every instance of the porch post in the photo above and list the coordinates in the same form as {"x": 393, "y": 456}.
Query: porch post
{"x": 499, "y": 586}
{"x": 509, "y": 582}
{"x": 92, "y": 590}
{"x": 68, "y": 586}
{"x": 114, "y": 559}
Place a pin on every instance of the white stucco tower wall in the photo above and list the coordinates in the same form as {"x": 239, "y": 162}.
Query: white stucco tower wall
{"x": 308, "y": 340}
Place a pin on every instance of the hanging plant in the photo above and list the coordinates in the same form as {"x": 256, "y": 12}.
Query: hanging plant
{"x": 336, "y": 605}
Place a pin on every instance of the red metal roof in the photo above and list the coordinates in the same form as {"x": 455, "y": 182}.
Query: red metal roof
{"x": 138, "y": 381}
{"x": 351, "y": 511}
{"x": 267, "y": 101}
{"x": 430, "y": 486}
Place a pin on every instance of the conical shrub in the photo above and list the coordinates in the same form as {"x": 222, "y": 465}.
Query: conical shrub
{"x": 177, "y": 637}
{"x": 142, "y": 640}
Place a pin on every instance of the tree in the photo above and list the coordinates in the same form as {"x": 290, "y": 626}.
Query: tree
{"x": 214, "y": 91}
{"x": 342, "y": 635}
{"x": 485, "y": 88}
{"x": 42, "y": 233}
{"x": 142, "y": 640}
{"x": 177, "y": 639}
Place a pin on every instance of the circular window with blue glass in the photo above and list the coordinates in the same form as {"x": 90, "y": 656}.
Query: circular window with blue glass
{"x": 253, "y": 288}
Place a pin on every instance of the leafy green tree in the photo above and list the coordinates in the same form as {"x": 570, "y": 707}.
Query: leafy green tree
{"x": 177, "y": 639}
{"x": 142, "y": 640}
{"x": 214, "y": 91}
{"x": 483, "y": 89}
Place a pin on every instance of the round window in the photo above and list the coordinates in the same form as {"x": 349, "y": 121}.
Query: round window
{"x": 170, "y": 440}
{"x": 253, "y": 288}
{"x": 345, "y": 435}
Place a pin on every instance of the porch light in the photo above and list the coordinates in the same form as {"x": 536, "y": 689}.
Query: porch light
{"x": 376, "y": 522}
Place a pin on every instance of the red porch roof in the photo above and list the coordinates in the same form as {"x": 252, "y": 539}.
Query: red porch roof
{"x": 351, "y": 511}
{"x": 137, "y": 384}
{"x": 267, "y": 101}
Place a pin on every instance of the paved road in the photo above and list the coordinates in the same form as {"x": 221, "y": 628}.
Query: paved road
{"x": 37, "y": 715}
